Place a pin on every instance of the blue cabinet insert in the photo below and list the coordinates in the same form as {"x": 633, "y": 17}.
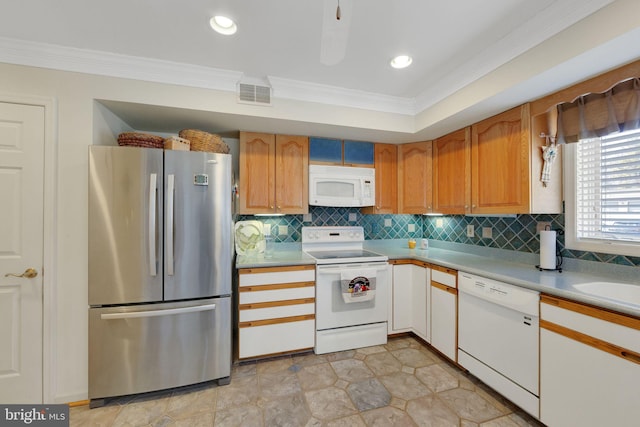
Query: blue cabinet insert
{"x": 325, "y": 150}
{"x": 358, "y": 152}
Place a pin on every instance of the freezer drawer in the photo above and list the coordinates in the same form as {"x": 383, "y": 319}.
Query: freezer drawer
{"x": 136, "y": 349}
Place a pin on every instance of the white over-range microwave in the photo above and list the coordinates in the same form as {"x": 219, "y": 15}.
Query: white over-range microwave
{"x": 341, "y": 186}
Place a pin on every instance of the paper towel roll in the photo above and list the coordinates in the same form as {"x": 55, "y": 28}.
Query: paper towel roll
{"x": 548, "y": 249}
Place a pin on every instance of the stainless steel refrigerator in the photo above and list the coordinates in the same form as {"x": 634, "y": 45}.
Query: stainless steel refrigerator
{"x": 160, "y": 262}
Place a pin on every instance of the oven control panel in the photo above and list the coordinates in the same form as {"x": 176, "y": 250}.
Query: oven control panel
{"x": 332, "y": 234}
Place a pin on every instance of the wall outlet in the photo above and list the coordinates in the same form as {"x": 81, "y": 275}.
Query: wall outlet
{"x": 307, "y": 217}
{"x": 411, "y": 228}
{"x": 353, "y": 217}
{"x": 542, "y": 225}
{"x": 283, "y": 230}
{"x": 487, "y": 233}
{"x": 439, "y": 222}
{"x": 387, "y": 222}
{"x": 470, "y": 230}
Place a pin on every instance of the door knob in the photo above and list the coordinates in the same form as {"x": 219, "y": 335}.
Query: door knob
{"x": 29, "y": 273}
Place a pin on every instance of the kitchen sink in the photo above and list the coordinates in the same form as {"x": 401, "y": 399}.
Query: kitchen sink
{"x": 611, "y": 290}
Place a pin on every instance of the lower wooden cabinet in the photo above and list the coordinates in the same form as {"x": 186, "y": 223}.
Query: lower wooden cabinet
{"x": 444, "y": 311}
{"x": 276, "y": 310}
{"x": 589, "y": 365}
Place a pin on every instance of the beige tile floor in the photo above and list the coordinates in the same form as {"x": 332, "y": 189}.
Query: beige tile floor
{"x": 403, "y": 383}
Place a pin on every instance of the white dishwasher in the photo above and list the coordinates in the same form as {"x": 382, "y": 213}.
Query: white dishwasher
{"x": 498, "y": 337}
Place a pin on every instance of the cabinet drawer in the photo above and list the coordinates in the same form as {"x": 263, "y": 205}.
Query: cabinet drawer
{"x": 443, "y": 277}
{"x": 293, "y": 308}
{"x": 622, "y": 331}
{"x": 276, "y": 338}
{"x": 277, "y": 294}
{"x": 265, "y": 276}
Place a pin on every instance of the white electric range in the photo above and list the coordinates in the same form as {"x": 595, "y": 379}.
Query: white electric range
{"x": 351, "y": 289}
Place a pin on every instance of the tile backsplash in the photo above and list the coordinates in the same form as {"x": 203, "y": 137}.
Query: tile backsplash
{"x": 517, "y": 233}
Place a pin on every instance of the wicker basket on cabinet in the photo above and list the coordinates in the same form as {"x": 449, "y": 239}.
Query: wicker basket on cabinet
{"x": 138, "y": 139}
{"x": 204, "y": 141}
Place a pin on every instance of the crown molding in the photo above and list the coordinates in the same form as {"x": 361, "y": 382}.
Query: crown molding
{"x": 62, "y": 58}
{"x": 20, "y": 52}
{"x": 333, "y": 95}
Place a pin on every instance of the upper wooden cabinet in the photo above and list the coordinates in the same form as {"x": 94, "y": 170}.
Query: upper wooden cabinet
{"x": 386, "y": 164}
{"x": 500, "y": 170}
{"x": 274, "y": 174}
{"x": 415, "y": 178}
{"x": 494, "y": 167}
{"x": 452, "y": 173}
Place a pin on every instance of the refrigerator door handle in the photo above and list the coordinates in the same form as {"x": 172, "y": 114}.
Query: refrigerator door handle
{"x": 153, "y": 187}
{"x": 170, "y": 202}
{"x": 156, "y": 313}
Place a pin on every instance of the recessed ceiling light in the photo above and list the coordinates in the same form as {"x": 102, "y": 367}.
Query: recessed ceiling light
{"x": 223, "y": 25}
{"x": 401, "y": 61}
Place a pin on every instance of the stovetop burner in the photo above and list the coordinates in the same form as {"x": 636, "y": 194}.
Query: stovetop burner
{"x": 337, "y": 245}
{"x": 343, "y": 254}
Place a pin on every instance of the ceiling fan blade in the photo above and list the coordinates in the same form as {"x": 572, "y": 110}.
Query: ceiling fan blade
{"x": 335, "y": 32}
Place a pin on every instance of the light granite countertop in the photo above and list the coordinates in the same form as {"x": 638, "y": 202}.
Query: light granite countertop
{"x": 512, "y": 267}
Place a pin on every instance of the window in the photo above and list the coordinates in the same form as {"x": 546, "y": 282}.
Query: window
{"x": 602, "y": 185}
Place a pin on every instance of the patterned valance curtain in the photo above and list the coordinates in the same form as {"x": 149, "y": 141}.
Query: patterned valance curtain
{"x": 599, "y": 114}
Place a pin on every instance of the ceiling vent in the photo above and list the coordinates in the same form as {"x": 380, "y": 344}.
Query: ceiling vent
{"x": 256, "y": 94}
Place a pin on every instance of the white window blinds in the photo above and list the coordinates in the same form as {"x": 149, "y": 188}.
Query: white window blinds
{"x": 608, "y": 188}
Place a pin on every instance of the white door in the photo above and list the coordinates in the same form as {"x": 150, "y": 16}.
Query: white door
{"x": 21, "y": 249}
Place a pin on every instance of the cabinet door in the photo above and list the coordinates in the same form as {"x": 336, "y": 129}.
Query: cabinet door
{"x": 583, "y": 386}
{"x": 414, "y": 178}
{"x": 257, "y": 173}
{"x": 444, "y": 311}
{"x": 589, "y": 365}
{"x": 452, "y": 173}
{"x": 358, "y": 153}
{"x": 444, "y": 316}
{"x": 386, "y": 164}
{"x": 419, "y": 300}
{"x": 402, "y": 294}
{"x": 292, "y": 174}
{"x": 500, "y": 163}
